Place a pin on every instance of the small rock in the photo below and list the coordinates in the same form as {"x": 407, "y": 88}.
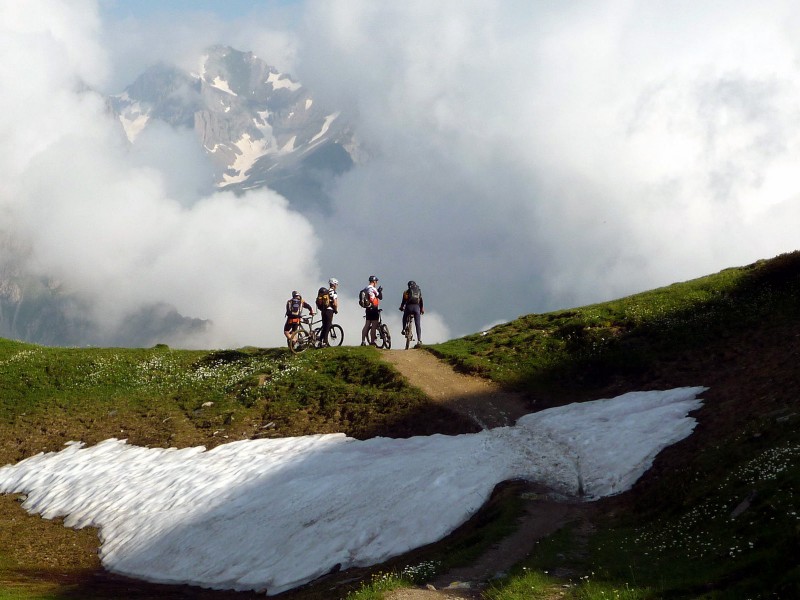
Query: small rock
{"x": 459, "y": 585}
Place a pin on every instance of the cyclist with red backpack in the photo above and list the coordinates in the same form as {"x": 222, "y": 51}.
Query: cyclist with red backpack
{"x": 369, "y": 299}
{"x": 294, "y": 312}
{"x": 412, "y": 307}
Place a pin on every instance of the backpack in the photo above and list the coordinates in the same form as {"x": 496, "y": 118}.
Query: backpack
{"x": 323, "y": 298}
{"x": 414, "y": 295}
{"x": 294, "y": 307}
{"x": 363, "y": 299}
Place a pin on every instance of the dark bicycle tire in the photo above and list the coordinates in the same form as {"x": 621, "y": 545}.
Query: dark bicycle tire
{"x": 335, "y": 336}
{"x": 302, "y": 342}
{"x": 407, "y": 332}
{"x": 379, "y": 341}
{"x": 386, "y": 339}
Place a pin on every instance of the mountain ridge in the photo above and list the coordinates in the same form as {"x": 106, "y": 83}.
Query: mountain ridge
{"x": 258, "y": 126}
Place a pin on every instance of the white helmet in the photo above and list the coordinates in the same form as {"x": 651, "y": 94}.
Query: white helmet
{"x": 333, "y": 281}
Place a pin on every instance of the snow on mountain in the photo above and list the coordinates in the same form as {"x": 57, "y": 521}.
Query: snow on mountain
{"x": 258, "y": 125}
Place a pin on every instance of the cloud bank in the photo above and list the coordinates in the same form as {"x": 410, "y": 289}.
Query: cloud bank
{"x": 521, "y": 157}
{"x": 128, "y": 228}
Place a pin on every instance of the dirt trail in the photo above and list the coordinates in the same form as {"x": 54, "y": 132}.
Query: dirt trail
{"x": 482, "y": 401}
{"x": 488, "y": 406}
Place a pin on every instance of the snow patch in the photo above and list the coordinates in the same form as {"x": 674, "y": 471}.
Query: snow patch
{"x": 222, "y": 85}
{"x": 278, "y": 83}
{"x": 133, "y": 120}
{"x": 273, "y": 514}
{"x": 325, "y": 126}
{"x": 249, "y": 151}
{"x": 309, "y": 102}
{"x": 289, "y": 146}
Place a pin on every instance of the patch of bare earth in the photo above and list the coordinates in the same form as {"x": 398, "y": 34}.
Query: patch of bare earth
{"x": 483, "y": 402}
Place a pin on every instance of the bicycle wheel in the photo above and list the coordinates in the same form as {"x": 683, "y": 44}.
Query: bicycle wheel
{"x": 301, "y": 341}
{"x": 386, "y": 339}
{"x": 407, "y": 333}
{"x": 335, "y": 336}
{"x": 316, "y": 337}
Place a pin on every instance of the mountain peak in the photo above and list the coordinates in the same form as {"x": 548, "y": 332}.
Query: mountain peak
{"x": 259, "y": 126}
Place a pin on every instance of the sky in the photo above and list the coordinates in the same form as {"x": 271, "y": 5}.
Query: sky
{"x": 273, "y": 514}
{"x": 523, "y": 156}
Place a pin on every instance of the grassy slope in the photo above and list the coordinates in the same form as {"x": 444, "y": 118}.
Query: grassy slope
{"x": 678, "y": 533}
{"x": 719, "y": 514}
{"x": 163, "y": 397}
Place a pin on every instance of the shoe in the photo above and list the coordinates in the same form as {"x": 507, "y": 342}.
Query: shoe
{"x": 363, "y": 343}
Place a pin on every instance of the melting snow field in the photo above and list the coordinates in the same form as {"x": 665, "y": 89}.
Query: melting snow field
{"x": 270, "y": 515}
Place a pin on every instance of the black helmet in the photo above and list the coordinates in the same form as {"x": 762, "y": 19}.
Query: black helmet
{"x": 412, "y": 284}
{"x": 373, "y": 278}
{"x": 295, "y": 294}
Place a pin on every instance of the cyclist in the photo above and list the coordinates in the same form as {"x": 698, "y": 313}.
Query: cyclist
{"x": 374, "y": 294}
{"x": 328, "y": 305}
{"x": 294, "y": 311}
{"x": 412, "y": 306}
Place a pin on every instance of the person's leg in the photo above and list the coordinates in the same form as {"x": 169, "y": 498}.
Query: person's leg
{"x": 365, "y": 332}
{"x": 327, "y": 319}
{"x": 418, "y": 323}
{"x": 373, "y": 331}
{"x": 290, "y": 331}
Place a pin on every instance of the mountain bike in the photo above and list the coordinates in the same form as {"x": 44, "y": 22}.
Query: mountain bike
{"x": 335, "y": 334}
{"x": 408, "y": 329}
{"x": 309, "y": 336}
{"x": 383, "y": 339}
{"x": 304, "y": 337}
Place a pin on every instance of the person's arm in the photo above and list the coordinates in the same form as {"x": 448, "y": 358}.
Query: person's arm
{"x": 404, "y": 300}
{"x": 308, "y": 307}
{"x": 421, "y": 309}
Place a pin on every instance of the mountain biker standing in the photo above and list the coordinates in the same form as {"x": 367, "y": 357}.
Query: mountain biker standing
{"x": 328, "y": 306}
{"x": 373, "y": 313}
{"x": 412, "y": 306}
{"x": 294, "y": 310}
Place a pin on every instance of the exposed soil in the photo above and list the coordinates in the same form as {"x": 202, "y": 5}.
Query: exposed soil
{"x": 482, "y": 401}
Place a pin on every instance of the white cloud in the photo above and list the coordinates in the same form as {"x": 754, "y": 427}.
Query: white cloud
{"x": 531, "y": 157}
{"x": 125, "y": 228}
{"x": 523, "y": 157}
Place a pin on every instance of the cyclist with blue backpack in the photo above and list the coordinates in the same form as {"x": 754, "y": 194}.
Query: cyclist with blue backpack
{"x": 294, "y": 312}
{"x": 412, "y": 307}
